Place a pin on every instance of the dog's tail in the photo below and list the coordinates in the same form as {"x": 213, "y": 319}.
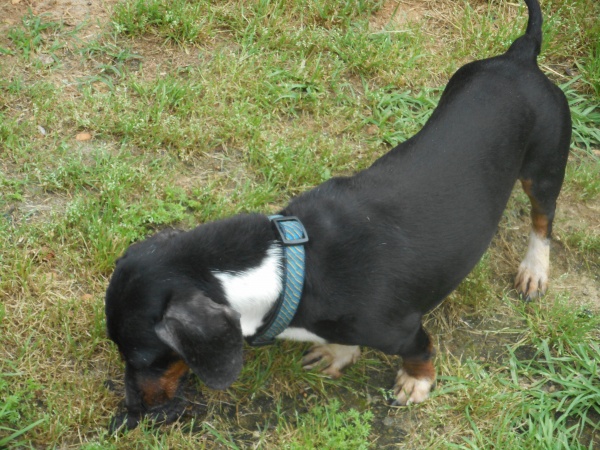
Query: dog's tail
{"x": 530, "y": 44}
{"x": 534, "y": 25}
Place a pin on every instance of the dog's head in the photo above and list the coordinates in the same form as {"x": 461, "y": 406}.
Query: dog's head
{"x": 164, "y": 325}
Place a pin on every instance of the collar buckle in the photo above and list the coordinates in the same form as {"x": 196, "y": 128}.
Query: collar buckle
{"x": 292, "y": 233}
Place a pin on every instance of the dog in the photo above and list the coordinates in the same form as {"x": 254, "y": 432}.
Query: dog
{"x": 377, "y": 250}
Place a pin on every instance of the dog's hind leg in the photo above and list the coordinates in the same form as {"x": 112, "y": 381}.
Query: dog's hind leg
{"x": 416, "y": 378}
{"x": 331, "y": 358}
{"x": 541, "y": 177}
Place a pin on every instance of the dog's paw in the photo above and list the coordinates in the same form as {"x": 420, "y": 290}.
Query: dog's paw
{"x": 532, "y": 278}
{"x": 409, "y": 390}
{"x": 531, "y": 283}
{"x": 330, "y": 359}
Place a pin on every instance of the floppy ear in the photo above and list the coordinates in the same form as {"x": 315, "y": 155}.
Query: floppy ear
{"x": 207, "y": 335}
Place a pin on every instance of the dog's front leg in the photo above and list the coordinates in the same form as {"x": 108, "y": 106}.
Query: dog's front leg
{"x": 331, "y": 358}
{"x": 414, "y": 382}
{"x": 416, "y": 378}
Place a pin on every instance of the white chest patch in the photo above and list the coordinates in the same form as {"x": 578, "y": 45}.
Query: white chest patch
{"x": 253, "y": 292}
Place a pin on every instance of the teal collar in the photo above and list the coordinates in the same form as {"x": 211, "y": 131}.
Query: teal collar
{"x": 292, "y": 235}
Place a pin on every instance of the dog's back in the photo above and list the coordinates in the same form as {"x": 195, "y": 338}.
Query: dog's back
{"x": 436, "y": 199}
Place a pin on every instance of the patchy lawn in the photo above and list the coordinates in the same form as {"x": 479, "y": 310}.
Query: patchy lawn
{"x": 120, "y": 118}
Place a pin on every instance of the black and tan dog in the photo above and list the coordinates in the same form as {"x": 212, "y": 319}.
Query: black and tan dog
{"x": 386, "y": 245}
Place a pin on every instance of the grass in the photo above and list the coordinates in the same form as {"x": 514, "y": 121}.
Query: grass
{"x": 199, "y": 110}
{"x": 329, "y": 427}
{"x": 36, "y": 33}
{"x": 548, "y": 402}
{"x": 548, "y": 388}
{"x": 10, "y": 411}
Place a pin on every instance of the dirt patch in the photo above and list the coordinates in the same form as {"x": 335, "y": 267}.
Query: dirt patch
{"x": 155, "y": 58}
{"x": 572, "y": 272}
{"x": 394, "y": 14}
{"x": 90, "y": 16}
{"x": 40, "y": 207}
{"x": 69, "y": 12}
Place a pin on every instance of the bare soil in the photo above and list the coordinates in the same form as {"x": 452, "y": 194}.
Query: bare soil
{"x": 69, "y": 12}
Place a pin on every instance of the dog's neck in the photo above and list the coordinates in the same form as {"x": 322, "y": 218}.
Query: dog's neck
{"x": 254, "y": 292}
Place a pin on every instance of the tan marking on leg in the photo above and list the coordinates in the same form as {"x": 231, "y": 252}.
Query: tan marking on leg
{"x": 157, "y": 391}
{"x": 331, "y": 358}
{"x": 539, "y": 220}
{"x": 169, "y": 382}
{"x": 152, "y": 394}
{"x": 540, "y": 224}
